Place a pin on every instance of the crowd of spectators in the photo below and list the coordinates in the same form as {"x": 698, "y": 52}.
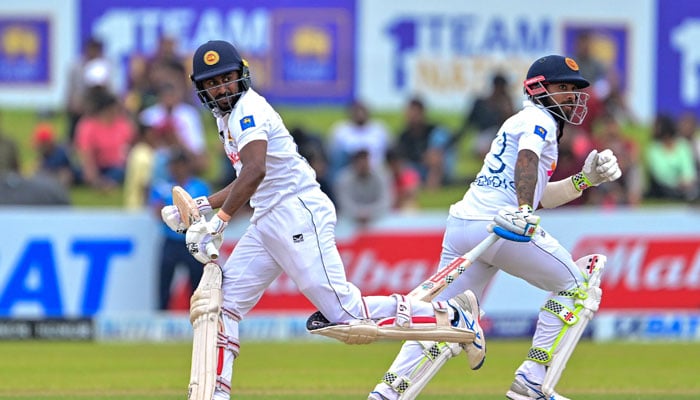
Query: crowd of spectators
{"x": 126, "y": 139}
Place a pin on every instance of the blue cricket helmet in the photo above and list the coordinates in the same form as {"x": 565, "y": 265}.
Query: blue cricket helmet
{"x": 555, "y": 69}
{"x": 217, "y": 57}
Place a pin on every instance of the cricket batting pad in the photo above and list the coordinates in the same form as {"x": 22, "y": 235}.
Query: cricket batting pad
{"x": 207, "y": 323}
{"x": 587, "y": 303}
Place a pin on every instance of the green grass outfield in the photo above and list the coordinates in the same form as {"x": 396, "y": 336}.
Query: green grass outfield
{"x": 329, "y": 370}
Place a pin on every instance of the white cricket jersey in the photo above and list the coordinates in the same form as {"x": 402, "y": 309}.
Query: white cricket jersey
{"x": 287, "y": 172}
{"x": 533, "y": 128}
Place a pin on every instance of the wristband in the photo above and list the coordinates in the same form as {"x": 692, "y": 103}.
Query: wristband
{"x": 223, "y": 216}
{"x": 581, "y": 182}
{"x": 203, "y": 204}
{"x": 217, "y": 225}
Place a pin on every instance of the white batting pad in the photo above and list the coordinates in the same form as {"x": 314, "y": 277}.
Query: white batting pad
{"x": 205, "y": 315}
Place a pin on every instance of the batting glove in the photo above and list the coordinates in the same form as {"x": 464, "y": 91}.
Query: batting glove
{"x": 203, "y": 239}
{"x": 171, "y": 216}
{"x": 517, "y": 224}
{"x": 598, "y": 168}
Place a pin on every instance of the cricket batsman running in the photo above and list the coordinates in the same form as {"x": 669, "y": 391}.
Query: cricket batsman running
{"x": 292, "y": 230}
{"x": 511, "y": 185}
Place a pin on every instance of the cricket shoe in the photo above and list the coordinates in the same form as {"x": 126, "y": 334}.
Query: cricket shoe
{"x": 317, "y": 321}
{"x": 377, "y": 396}
{"x": 469, "y": 314}
{"x": 525, "y": 389}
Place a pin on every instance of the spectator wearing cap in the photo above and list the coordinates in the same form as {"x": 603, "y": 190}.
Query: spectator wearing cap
{"x": 54, "y": 157}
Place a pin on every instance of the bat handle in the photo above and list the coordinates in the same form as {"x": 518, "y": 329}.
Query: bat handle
{"x": 212, "y": 251}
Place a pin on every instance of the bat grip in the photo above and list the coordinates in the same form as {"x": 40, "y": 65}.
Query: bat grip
{"x": 212, "y": 251}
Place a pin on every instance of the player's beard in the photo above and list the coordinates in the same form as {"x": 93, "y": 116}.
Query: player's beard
{"x": 227, "y": 101}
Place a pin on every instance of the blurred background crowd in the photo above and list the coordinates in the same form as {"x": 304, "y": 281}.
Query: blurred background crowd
{"x": 131, "y": 141}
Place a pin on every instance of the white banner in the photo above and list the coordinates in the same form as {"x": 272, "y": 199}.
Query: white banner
{"x": 57, "y": 262}
{"x": 447, "y": 51}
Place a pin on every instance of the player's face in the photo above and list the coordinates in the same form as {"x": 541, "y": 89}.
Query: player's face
{"x": 222, "y": 88}
{"x": 564, "y": 95}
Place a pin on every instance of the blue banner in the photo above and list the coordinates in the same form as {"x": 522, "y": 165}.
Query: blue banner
{"x": 24, "y": 50}
{"x": 299, "y": 52}
{"x": 678, "y": 57}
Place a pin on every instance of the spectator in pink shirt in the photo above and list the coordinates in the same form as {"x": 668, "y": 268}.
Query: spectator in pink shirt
{"x": 103, "y": 138}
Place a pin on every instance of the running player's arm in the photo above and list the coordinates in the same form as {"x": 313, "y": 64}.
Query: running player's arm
{"x": 526, "y": 177}
{"x": 238, "y": 193}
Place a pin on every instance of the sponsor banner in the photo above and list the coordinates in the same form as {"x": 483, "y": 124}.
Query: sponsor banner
{"x": 509, "y": 326}
{"x": 659, "y": 325}
{"x": 515, "y": 326}
{"x": 448, "y": 51}
{"x": 60, "y": 263}
{"x": 24, "y": 56}
{"x": 47, "y": 329}
{"x": 299, "y": 52}
{"x": 57, "y": 262}
{"x": 648, "y": 272}
{"x": 653, "y": 260}
{"x": 143, "y": 326}
{"x": 37, "y": 46}
{"x": 677, "y": 79}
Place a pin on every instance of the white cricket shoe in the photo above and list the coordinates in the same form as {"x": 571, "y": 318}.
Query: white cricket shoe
{"x": 377, "y": 396}
{"x": 469, "y": 314}
{"x": 525, "y": 389}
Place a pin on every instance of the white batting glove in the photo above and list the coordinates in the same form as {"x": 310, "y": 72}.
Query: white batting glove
{"x": 598, "y": 168}
{"x": 171, "y": 216}
{"x": 203, "y": 239}
{"x": 519, "y": 221}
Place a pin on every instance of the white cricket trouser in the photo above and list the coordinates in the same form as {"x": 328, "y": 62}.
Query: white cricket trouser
{"x": 542, "y": 262}
{"x": 297, "y": 236}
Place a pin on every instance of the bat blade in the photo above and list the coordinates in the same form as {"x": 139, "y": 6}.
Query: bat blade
{"x": 186, "y": 206}
{"x": 432, "y": 286}
{"x": 435, "y": 284}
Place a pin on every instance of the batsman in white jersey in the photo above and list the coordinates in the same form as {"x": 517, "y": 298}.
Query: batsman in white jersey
{"x": 292, "y": 230}
{"x": 512, "y": 183}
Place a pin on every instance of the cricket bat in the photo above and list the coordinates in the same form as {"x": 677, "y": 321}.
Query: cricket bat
{"x": 189, "y": 212}
{"x": 435, "y": 284}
